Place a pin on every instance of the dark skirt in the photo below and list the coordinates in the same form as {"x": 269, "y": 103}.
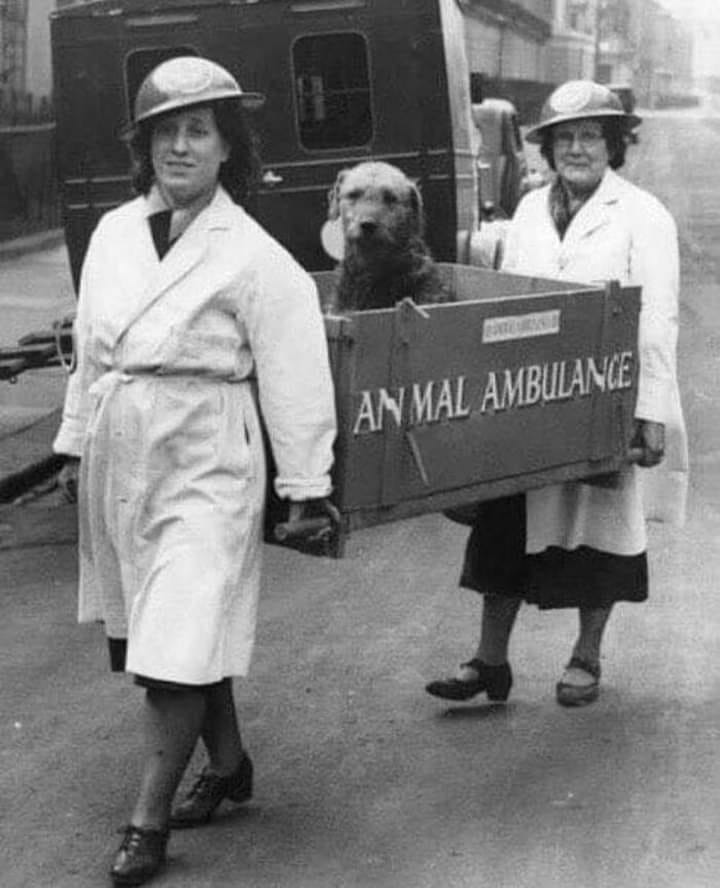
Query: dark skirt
{"x": 117, "y": 649}
{"x": 496, "y": 563}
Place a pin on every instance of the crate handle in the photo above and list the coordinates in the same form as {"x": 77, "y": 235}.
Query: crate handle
{"x": 417, "y": 456}
{"x": 410, "y": 303}
{"x": 68, "y": 364}
{"x": 304, "y": 527}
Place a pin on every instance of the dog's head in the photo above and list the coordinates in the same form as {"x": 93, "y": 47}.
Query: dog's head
{"x": 379, "y": 208}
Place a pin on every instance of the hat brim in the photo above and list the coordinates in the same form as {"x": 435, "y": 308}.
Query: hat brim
{"x": 535, "y": 134}
{"x": 250, "y": 101}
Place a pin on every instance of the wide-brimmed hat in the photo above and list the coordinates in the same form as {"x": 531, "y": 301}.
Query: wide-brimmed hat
{"x": 185, "y": 81}
{"x": 577, "y": 100}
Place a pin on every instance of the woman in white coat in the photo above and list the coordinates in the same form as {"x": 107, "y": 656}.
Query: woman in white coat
{"x": 183, "y": 298}
{"x": 583, "y": 545}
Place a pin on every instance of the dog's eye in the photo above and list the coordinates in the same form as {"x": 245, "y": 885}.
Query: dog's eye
{"x": 354, "y": 194}
{"x": 389, "y": 197}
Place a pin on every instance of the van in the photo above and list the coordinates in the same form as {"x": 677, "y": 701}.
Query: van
{"x": 345, "y": 81}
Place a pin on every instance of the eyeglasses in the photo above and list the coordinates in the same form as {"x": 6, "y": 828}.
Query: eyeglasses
{"x": 587, "y": 137}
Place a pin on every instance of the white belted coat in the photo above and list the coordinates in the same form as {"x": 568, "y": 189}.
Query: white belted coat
{"x": 621, "y": 233}
{"x": 161, "y": 411}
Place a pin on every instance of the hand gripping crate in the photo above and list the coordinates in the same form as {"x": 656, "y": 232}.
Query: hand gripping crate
{"x": 518, "y": 383}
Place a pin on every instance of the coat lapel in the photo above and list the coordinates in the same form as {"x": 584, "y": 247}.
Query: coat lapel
{"x": 133, "y": 279}
{"x": 184, "y": 256}
{"x": 597, "y": 211}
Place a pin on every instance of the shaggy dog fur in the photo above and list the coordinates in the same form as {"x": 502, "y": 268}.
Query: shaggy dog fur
{"x": 385, "y": 257}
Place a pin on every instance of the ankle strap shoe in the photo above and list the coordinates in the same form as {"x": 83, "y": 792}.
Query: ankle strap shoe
{"x": 141, "y": 855}
{"x": 208, "y": 791}
{"x": 579, "y": 695}
{"x": 496, "y": 681}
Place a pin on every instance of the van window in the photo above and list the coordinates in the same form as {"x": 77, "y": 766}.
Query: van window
{"x": 332, "y": 91}
{"x": 141, "y": 62}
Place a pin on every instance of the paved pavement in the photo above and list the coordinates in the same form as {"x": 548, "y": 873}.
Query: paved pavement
{"x": 31, "y": 243}
{"x": 35, "y": 290}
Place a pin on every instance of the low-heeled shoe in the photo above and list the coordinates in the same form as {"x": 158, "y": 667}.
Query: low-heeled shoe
{"x": 579, "y": 695}
{"x": 141, "y": 855}
{"x": 199, "y": 805}
{"x": 496, "y": 681}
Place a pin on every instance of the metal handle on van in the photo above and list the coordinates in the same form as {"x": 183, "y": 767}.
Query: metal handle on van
{"x": 271, "y": 178}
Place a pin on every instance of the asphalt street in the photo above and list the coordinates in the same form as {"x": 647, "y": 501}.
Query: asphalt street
{"x": 362, "y": 779}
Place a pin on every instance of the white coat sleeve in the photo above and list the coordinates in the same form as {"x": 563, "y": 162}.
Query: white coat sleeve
{"x": 76, "y": 409}
{"x": 654, "y": 264}
{"x": 519, "y": 224}
{"x": 287, "y": 339}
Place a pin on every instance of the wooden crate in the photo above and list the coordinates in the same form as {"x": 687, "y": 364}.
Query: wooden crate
{"x": 519, "y": 383}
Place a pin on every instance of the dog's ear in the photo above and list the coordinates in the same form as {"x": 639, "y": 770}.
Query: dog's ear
{"x": 416, "y": 204}
{"x": 333, "y": 196}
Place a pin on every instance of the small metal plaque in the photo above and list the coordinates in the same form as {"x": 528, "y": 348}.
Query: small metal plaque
{"x": 537, "y": 323}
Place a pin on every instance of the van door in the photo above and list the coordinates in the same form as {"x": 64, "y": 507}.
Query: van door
{"x": 345, "y": 81}
{"x": 312, "y": 62}
{"x": 333, "y": 126}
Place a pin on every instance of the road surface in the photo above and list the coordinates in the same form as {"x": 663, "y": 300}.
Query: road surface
{"x": 364, "y": 781}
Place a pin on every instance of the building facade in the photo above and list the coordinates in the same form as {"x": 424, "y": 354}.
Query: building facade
{"x": 38, "y": 76}
{"x": 13, "y": 47}
{"x": 25, "y": 60}
{"x": 573, "y": 46}
{"x": 516, "y": 48}
{"x": 506, "y": 44}
{"x": 507, "y": 40}
{"x": 617, "y": 40}
{"x": 633, "y": 42}
{"x": 642, "y": 44}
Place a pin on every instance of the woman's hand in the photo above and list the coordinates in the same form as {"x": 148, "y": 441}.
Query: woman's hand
{"x": 307, "y": 510}
{"x": 68, "y": 479}
{"x": 311, "y": 526}
{"x": 647, "y": 447}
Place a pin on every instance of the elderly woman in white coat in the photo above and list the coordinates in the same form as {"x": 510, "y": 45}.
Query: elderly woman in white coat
{"x": 583, "y": 545}
{"x": 183, "y": 298}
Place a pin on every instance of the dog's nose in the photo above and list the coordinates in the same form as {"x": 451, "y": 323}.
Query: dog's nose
{"x": 368, "y": 227}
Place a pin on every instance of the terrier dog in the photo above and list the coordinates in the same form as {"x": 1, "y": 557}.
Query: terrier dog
{"x": 385, "y": 257}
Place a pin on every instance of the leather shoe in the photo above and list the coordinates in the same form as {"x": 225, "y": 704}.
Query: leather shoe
{"x": 496, "y": 681}
{"x": 141, "y": 855}
{"x": 208, "y": 791}
{"x": 579, "y": 695}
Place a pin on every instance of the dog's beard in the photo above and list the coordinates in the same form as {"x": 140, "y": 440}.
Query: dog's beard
{"x": 379, "y": 278}
{"x": 385, "y": 247}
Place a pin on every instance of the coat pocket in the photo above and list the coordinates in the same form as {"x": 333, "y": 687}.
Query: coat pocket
{"x": 236, "y": 445}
